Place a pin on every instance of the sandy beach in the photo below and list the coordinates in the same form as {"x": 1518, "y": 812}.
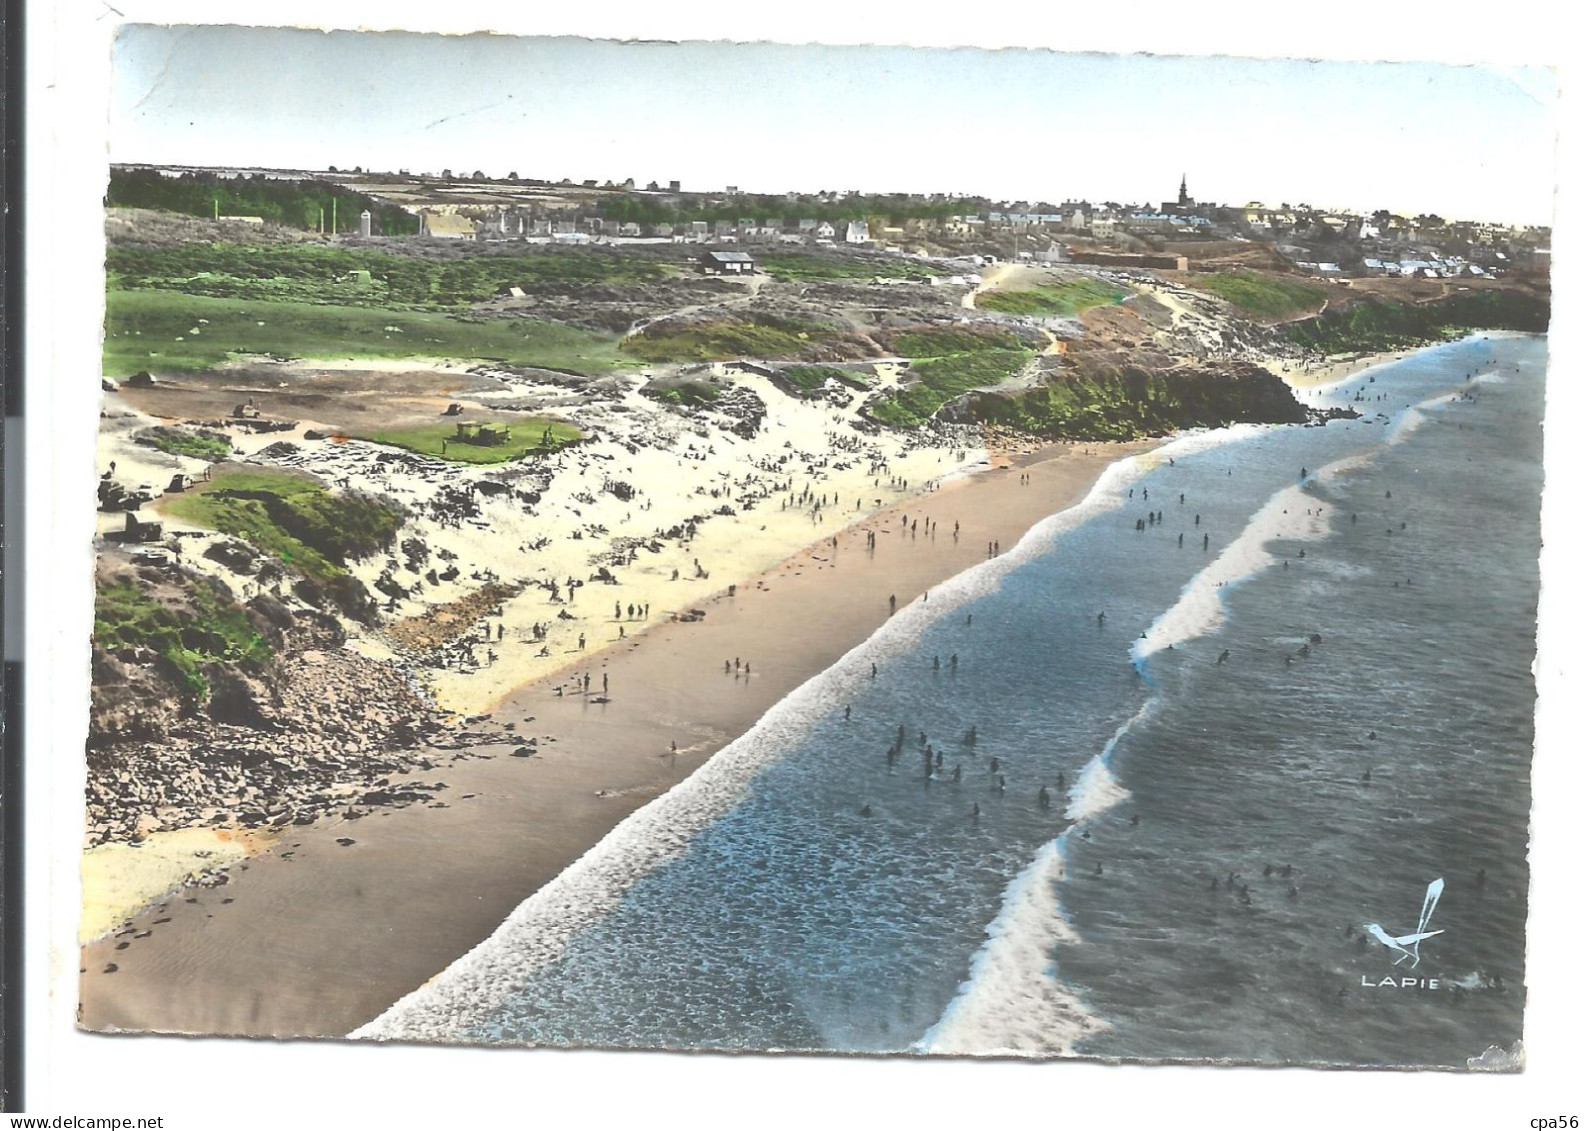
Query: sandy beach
{"x": 334, "y": 921}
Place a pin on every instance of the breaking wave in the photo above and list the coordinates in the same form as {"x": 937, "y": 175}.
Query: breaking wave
{"x": 1291, "y": 513}
{"x": 1013, "y": 1002}
{"x": 540, "y": 929}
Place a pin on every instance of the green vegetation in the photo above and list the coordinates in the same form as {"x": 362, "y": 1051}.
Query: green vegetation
{"x": 807, "y": 379}
{"x": 688, "y": 393}
{"x": 794, "y": 267}
{"x": 1374, "y": 325}
{"x": 155, "y": 330}
{"x": 941, "y": 341}
{"x": 949, "y": 362}
{"x": 297, "y": 521}
{"x": 527, "y": 433}
{"x": 314, "y": 273}
{"x": 1136, "y": 403}
{"x": 1263, "y": 296}
{"x": 210, "y": 446}
{"x": 1065, "y": 300}
{"x": 297, "y": 204}
{"x": 758, "y": 335}
{"x": 213, "y": 630}
{"x": 942, "y": 379}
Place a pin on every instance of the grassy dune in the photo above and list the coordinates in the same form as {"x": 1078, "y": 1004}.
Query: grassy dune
{"x": 1263, "y": 296}
{"x": 940, "y": 380}
{"x": 300, "y": 523}
{"x": 1065, "y": 300}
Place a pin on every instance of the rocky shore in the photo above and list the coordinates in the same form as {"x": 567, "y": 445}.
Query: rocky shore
{"x": 318, "y": 730}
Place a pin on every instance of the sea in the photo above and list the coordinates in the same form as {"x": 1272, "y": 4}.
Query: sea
{"x": 1229, "y": 761}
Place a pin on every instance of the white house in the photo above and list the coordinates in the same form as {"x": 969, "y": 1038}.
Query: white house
{"x": 858, "y": 232}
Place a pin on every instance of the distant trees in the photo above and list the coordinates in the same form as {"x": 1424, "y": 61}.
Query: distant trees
{"x": 297, "y": 204}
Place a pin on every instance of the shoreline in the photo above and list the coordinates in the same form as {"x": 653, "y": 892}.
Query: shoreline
{"x": 315, "y": 937}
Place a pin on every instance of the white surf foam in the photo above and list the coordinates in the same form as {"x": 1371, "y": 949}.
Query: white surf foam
{"x": 1290, "y": 513}
{"x": 1096, "y": 789}
{"x": 1012, "y": 1003}
{"x": 1013, "y": 1000}
{"x": 540, "y": 929}
{"x": 1416, "y": 416}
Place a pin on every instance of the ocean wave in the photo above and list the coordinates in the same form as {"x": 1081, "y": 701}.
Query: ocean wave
{"x": 538, "y": 931}
{"x": 1096, "y": 789}
{"x": 1291, "y": 513}
{"x": 1012, "y": 1003}
{"x": 1416, "y": 416}
{"x": 1409, "y": 420}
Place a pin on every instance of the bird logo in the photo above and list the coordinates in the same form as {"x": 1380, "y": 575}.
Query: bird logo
{"x": 1406, "y": 946}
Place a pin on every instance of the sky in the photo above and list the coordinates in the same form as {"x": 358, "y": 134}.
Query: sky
{"x": 1467, "y": 142}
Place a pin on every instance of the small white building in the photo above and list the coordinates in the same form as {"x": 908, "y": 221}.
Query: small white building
{"x": 858, "y": 232}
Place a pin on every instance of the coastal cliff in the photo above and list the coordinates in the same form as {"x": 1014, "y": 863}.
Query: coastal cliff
{"x": 1132, "y": 402}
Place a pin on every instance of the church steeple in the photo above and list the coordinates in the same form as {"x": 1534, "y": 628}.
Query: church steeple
{"x": 1184, "y": 199}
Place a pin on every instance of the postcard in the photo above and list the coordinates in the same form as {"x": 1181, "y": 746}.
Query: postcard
{"x": 597, "y": 548}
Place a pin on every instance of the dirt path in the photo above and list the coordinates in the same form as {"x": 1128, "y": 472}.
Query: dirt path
{"x": 753, "y": 285}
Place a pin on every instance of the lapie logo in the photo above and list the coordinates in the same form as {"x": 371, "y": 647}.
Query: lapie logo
{"x": 1406, "y": 946}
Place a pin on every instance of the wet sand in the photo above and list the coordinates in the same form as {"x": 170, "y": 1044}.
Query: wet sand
{"x": 314, "y": 938}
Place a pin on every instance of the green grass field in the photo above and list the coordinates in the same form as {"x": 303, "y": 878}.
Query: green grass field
{"x": 527, "y": 432}
{"x": 314, "y": 273}
{"x": 1263, "y": 296}
{"x": 1065, "y": 300}
{"x": 163, "y": 331}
